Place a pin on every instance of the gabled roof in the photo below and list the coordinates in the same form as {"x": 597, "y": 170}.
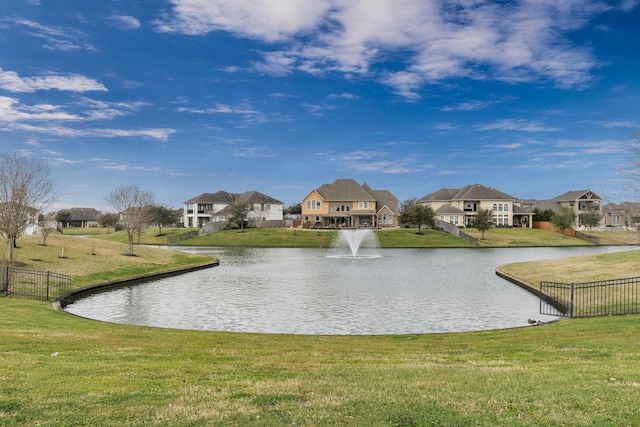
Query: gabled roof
{"x": 224, "y": 197}
{"x": 383, "y": 198}
{"x": 448, "y": 209}
{"x": 84, "y": 214}
{"x": 344, "y": 190}
{"x": 571, "y": 196}
{"x": 624, "y": 208}
{"x": 469, "y": 192}
{"x": 219, "y": 197}
{"x": 257, "y": 197}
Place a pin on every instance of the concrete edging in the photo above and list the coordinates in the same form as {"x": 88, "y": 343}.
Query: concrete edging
{"x": 62, "y": 301}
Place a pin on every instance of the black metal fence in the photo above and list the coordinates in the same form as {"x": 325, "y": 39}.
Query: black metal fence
{"x": 589, "y": 299}
{"x": 44, "y": 285}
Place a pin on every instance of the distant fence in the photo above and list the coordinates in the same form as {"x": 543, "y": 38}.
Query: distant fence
{"x": 43, "y": 285}
{"x": 589, "y": 237}
{"x": 455, "y": 230}
{"x": 172, "y": 240}
{"x": 590, "y": 299}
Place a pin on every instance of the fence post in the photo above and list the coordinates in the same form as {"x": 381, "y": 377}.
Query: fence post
{"x": 5, "y": 280}
{"x": 571, "y": 300}
{"x": 47, "y": 299}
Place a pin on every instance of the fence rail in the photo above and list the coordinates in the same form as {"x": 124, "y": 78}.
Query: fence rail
{"x": 455, "y": 230}
{"x": 589, "y": 237}
{"x": 590, "y": 299}
{"x": 172, "y": 240}
{"x": 44, "y": 285}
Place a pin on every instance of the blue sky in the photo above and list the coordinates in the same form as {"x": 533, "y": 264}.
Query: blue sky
{"x": 183, "y": 97}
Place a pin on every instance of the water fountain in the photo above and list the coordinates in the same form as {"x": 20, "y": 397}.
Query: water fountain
{"x": 357, "y": 243}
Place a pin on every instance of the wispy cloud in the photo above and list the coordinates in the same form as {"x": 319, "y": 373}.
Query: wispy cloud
{"x": 369, "y": 161}
{"x": 518, "y": 125}
{"x": 125, "y": 22}
{"x": 55, "y": 38}
{"x": 473, "y": 105}
{"x": 248, "y": 115}
{"x": 347, "y": 96}
{"x": 506, "y": 41}
{"x": 12, "y": 82}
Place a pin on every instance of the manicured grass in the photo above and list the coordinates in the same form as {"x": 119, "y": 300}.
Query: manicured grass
{"x": 576, "y": 372}
{"x": 524, "y": 237}
{"x": 584, "y": 268}
{"x": 93, "y": 260}
{"x": 148, "y": 236}
{"x": 407, "y": 238}
{"x": 581, "y": 372}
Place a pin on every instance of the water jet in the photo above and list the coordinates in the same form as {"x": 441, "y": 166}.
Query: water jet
{"x": 355, "y": 243}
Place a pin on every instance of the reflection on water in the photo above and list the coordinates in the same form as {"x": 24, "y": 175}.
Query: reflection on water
{"x": 302, "y": 291}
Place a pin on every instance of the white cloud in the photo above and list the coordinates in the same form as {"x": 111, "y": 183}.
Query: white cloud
{"x": 406, "y": 44}
{"x": 369, "y": 161}
{"x": 474, "y": 105}
{"x": 56, "y": 38}
{"x": 12, "y": 82}
{"x": 125, "y": 22}
{"x": 518, "y": 125}
{"x": 269, "y": 20}
{"x": 54, "y": 120}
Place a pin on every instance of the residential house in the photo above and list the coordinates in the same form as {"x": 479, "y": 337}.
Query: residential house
{"x": 581, "y": 201}
{"x": 213, "y": 207}
{"x": 345, "y": 203}
{"x": 83, "y": 217}
{"x": 460, "y": 206}
{"x": 625, "y": 214}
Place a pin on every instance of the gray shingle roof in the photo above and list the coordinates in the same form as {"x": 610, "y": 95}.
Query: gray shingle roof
{"x": 219, "y": 197}
{"x": 84, "y": 214}
{"x": 225, "y": 197}
{"x": 344, "y": 190}
{"x": 469, "y": 192}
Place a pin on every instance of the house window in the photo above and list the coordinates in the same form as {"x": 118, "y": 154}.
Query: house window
{"x": 363, "y": 205}
{"x": 500, "y": 207}
{"x": 495, "y": 207}
{"x": 453, "y": 219}
{"x": 441, "y": 217}
{"x": 306, "y": 218}
{"x": 506, "y": 208}
{"x": 313, "y": 204}
{"x": 385, "y": 219}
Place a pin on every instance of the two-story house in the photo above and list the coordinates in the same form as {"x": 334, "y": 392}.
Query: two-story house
{"x": 460, "y": 206}
{"x": 345, "y": 203}
{"x": 580, "y": 201}
{"x": 213, "y": 207}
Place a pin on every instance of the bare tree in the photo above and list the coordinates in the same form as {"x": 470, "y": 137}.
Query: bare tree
{"x": 132, "y": 204}
{"x": 26, "y": 190}
{"x": 45, "y": 227}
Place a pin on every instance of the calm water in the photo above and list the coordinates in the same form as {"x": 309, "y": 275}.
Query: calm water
{"x": 302, "y": 291}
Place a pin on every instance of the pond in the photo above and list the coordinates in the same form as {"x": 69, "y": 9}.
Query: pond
{"x": 305, "y": 291}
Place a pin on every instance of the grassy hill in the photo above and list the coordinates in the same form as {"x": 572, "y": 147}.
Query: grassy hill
{"x": 404, "y": 237}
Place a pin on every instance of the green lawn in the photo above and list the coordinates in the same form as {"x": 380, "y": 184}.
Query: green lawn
{"x": 409, "y": 238}
{"x": 578, "y": 372}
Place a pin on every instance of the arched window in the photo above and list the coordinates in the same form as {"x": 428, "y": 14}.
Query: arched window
{"x": 500, "y": 207}
{"x": 495, "y": 207}
{"x": 506, "y": 208}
